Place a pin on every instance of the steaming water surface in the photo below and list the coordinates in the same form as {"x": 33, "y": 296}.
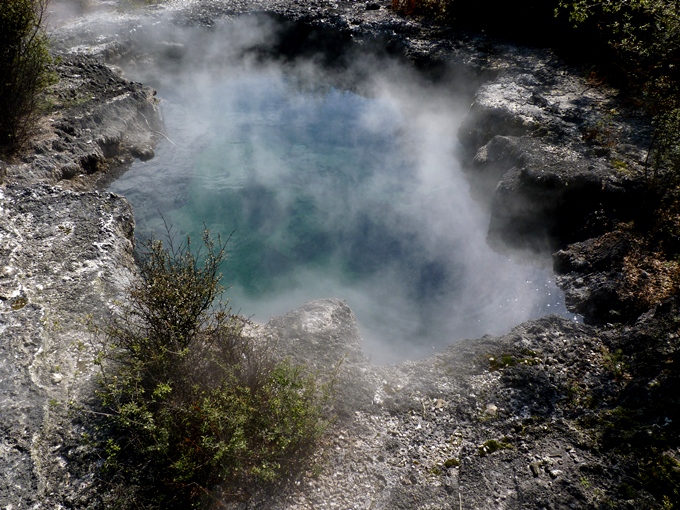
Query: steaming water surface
{"x": 333, "y": 194}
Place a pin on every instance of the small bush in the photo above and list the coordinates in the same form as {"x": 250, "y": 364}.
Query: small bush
{"x": 24, "y": 73}
{"x": 197, "y": 412}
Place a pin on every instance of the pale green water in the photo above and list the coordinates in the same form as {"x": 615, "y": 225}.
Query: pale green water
{"x": 331, "y": 194}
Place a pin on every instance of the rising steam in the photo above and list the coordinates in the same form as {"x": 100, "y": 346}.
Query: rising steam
{"x": 355, "y": 194}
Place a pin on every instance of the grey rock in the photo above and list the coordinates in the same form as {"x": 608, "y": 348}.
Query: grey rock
{"x": 324, "y": 336}
{"x": 102, "y": 121}
{"x": 548, "y": 182}
{"x": 535, "y": 469}
{"x": 65, "y": 257}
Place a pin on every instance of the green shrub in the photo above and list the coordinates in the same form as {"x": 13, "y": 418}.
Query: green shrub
{"x": 196, "y": 411}
{"x": 645, "y": 33}
{"x": 644, "y": 39}
{"x": 24, "y": 73}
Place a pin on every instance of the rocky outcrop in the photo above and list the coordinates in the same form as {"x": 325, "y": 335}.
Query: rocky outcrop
{"x": 561, "y": 162}
{"x": 98, "y": 123}
{"x": 65, "y": 259}
{"x": 497, "y": 422}
{"x": 324, "y": 337}
{"x": 556, "y": 153}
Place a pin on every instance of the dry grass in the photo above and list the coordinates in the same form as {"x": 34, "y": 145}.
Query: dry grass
{"x": 648, "y": 278}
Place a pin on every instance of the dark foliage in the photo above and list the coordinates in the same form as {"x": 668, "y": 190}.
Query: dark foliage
{"x": 196, "y": 411}
{"x": 24, "y": 72}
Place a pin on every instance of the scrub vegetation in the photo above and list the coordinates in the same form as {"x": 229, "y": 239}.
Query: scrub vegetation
{"x": 642, "y": 42}
{"x": 195, "y": 411}
{"x": 24, "y": 71}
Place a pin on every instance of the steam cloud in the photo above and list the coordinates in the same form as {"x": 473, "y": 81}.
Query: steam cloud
{"x": 332, "y": 193}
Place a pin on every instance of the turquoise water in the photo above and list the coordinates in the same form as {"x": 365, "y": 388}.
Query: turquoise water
{"x": 328, "y": 193}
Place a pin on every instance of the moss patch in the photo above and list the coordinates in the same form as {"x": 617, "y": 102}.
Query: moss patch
{"x": 19, "y": 303}
{"x": 493, "y": 445}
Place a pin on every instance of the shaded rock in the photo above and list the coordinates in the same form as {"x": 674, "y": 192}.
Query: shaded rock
{"x": 610, "y": 278}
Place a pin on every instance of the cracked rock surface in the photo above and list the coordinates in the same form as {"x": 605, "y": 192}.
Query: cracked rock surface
{"x": 65, "y": 257}
{"x": 496, "y": 422}
{"x": 98, "y": 123}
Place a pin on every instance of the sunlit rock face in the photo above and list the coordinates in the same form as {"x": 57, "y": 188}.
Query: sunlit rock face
{"x": 553, "y": 155}
{"x": 65, "y": 258}
{"x": 101, "y": 122}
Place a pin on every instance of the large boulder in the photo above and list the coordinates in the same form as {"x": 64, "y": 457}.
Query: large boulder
{"x": 558, "y": 158}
